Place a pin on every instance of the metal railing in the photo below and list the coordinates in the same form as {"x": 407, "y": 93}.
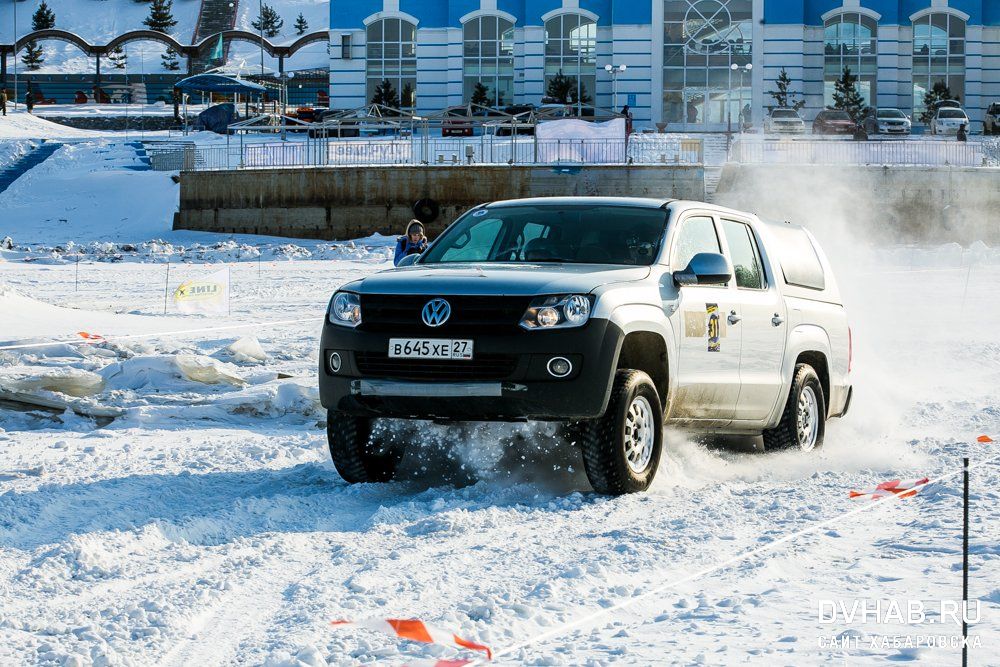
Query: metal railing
{"x": 417, "y": 151}
{"x": 890, "y": 152}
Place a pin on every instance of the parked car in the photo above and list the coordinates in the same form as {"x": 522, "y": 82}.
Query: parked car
{"x": 784, "y": 120}
{"x": 833, "y": 121}
{"x": 884, "y": 120}
{"x": 456, "y": 122}
{"x": 947, "y": 120}
{"x": 613, "y": 316}
{"x": 991, "y": 121}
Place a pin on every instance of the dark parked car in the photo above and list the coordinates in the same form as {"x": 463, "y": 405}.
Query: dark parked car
{"x": 833, "y": 121}
{"x": 456, "y": 123}
{"x": 991, "y": 122}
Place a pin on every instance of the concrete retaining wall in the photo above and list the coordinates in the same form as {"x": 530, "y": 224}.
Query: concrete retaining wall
{"x": 351, "y": 202}
{"x": 890, "y": 204}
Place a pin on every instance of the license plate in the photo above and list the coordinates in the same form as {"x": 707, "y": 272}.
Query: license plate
{"x": 429, "y": 348}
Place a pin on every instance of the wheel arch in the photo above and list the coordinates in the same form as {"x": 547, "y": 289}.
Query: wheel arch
{"x": 647, "y": 345}
{"x": 808, "y": 344}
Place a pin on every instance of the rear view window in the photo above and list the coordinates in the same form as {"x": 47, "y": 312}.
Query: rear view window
{"x": 799, "y": 261}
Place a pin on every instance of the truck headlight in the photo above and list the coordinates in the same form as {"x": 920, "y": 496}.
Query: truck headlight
{"x": 345, "y": 309}
{"x": 557, "y": 312}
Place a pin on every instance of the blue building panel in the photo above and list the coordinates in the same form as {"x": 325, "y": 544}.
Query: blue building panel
{"x": 350, "y": 15}
{"x": 459, "y": 8}
{"x": 631, "y": 13}
{"x": 429, "y": 14}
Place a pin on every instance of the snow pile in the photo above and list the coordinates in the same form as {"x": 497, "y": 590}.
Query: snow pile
{"x": 88, "y": 196}
{"x": 21, "y": 125}
{"x": 374, "y": 248}
{"x": 25, "y": 319}
{"x": 12, "y": 151}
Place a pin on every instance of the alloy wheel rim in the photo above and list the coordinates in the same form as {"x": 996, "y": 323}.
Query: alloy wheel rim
{"x": 807, "y": 419}
{"x": 639, "y": 435}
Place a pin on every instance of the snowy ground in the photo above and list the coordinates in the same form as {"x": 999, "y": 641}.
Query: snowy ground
{"x": 207, "y": 525}
{"x": 191, "y": 523}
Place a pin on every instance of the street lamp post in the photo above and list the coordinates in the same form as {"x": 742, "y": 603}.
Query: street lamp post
{"x": 736, "y": 68}
{"x": 614, "y": 71}
{"x": 14, "y": 2}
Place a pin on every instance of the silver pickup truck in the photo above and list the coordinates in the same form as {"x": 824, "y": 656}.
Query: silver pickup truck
{"x": 614, "y": 316}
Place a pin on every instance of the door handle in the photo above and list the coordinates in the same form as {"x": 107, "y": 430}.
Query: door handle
{"x": 733, "y": 317}
{"x": 777, "y": 320}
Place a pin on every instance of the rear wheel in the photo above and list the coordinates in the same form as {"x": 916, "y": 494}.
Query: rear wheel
{"x": 803, "y": 423}
{"x": 621, "y": 450}
{"x": 361, "y": 453}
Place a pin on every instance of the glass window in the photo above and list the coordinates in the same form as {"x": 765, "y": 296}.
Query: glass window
{"x": 705, "y": 38}
{"x": 744, "y": 254}
{"x": 392, "y": 58}
{"x": 939, "y": 57}
{"x": 799, "y": 262}
{"x": 571, "y": 51}
{"x": 550, "y": 233}
{"x": 697, "y": 234}
{"x": 850, "y": 42}
{"x": 489, "y": 60}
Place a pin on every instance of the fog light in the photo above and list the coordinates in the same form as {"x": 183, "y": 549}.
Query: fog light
{"x": 335, "y": 362}
{"x": 559, "y": 367}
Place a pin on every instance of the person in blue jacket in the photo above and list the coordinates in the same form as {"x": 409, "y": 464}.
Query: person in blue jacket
{"x": 414, "y": 242}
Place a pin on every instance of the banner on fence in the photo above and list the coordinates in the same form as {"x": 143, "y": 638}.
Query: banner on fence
{"x": 204, "y": 295}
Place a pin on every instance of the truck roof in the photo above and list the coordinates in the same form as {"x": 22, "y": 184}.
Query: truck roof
{"x": 640, "y": 202}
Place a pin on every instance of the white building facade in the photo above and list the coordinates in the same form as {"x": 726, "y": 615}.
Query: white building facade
{"x": 692, "y": 64}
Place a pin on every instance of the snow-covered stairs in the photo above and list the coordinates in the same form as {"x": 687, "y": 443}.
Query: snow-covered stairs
{"x": 213, "y": 17}
{"x": 26, "y": 162}
{"x": 143, "y": 162}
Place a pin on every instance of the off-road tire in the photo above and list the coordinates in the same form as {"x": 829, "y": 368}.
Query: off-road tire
{"x": 358, "y": 455}
{"x": 785, "y": 434}
{"x": 602, "y": 440}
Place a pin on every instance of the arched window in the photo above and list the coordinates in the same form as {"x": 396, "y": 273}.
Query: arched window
{"x": 703, "y": 39}
{"x": 489, "y": 59}
{"x": 392, "y": 57}
{"x": 938, "y": 56}
{"x": 571, "y": 53}
{"x": 850, "y": 40}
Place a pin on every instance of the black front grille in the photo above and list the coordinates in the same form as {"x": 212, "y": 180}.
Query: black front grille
{"x": 401, "y": 314}
{"x": 483, "y": 367}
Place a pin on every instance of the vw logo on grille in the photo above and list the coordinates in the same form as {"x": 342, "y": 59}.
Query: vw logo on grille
{"x": 436, "y": 312}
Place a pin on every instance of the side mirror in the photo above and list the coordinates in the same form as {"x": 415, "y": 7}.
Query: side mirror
{"x": 409, "y": 260}
{"x": 705, "y": 268}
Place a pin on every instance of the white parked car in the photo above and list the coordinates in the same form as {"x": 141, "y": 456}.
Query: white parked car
{"x": 784, "y": 120}
{"x": 947, "y": 120}
{"x": 614, "y": 316}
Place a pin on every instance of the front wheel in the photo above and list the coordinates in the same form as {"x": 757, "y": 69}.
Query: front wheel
{"x": 803, "y": 423}
{"x": 361, "y": 453}
{"x": 621, "y": 449}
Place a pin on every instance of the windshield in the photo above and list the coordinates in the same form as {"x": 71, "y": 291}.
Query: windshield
{"x": 890, "y": 113}
{"x": 784, "y": 113}
{"x": 836, "y": 115}
{"x": 549, "y": 233}
{"x": 951, "y": 113}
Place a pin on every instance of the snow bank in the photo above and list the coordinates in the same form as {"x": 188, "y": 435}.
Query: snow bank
{"x": 25, "y": 318}
{"x": 22, "y": 125}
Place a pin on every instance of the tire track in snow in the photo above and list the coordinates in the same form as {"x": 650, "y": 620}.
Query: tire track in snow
{"x": 214, "y": 636}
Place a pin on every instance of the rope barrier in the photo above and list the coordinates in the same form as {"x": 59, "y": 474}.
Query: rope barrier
{"x": 770, "y": 546}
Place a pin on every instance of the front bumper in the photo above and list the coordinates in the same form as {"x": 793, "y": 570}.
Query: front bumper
{"x": 521, "y": 390}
